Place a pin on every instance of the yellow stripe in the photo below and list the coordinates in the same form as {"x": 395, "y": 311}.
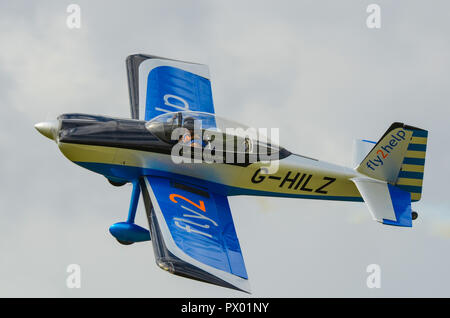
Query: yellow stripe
{"x": 88, "y": 153}
{"x": 415, "y": 154}
{"x": 419, "y": 140}
{"x": 411, "y": 182}
{"x": 415, "y": 196}
{"x": 414, "y": 168}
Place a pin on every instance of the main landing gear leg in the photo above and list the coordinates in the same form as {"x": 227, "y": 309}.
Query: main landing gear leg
{"x": 134, "y": 201}
{"x": 136, "y": 192}
{"x": 128, "y": 232}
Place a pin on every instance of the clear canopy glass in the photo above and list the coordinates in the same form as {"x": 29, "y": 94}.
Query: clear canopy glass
{"x": 203, "y": 129}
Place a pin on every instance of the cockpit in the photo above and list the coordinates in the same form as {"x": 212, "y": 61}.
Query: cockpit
{"x": 211, "y": 132}
{"x": 196, "y": 135}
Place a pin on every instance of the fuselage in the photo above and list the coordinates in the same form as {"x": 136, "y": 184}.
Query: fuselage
{"x": 123, "y": 150}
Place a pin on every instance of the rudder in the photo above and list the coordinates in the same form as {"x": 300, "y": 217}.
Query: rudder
{"x": 398, "y": 158}
{"x": 410, "y": 176}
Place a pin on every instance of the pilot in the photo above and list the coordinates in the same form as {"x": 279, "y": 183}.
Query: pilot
{"x": 186, "y": 138}
{"x": 189, "y": 138}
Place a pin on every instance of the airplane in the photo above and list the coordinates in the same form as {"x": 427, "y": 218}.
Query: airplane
{"x": 186, "y": 201}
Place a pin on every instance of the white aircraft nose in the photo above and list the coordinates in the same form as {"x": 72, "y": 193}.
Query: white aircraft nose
{"x": 48, "y": 128}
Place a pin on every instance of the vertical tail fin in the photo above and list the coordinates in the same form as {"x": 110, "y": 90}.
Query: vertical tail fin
{"x": 398, "y": 158}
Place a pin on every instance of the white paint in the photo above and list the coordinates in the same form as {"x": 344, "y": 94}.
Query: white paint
{"x": 376, "y": 195}
{"x": 168, "y": 103}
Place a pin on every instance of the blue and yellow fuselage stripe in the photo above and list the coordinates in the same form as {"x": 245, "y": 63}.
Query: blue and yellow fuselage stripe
{"x": 297, "y": 176}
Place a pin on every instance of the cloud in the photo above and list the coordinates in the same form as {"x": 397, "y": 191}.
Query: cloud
{"x": 312, "y": 69}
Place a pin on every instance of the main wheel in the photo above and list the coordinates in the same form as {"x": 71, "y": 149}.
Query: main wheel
{"x": 124, "y": 242}
{"x": 414, "y": 215}
{"x": 116, "y": 184}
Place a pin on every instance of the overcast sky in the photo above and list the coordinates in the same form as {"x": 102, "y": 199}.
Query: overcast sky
{"x": 312, "y": 68}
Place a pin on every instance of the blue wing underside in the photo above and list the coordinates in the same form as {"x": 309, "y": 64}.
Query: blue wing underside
{"x": 176, "y": 90}
{"x": 192, "y": 229}
{"x": 160, "y": 85}
{"x": 193, "y": 233}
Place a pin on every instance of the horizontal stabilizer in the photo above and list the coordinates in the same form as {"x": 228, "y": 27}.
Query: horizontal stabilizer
{"x": 361, "y": 147}
{"x": 388, "y": 204}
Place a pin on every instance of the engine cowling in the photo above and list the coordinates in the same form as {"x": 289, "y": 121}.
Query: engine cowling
{"x": 128, "y": 233}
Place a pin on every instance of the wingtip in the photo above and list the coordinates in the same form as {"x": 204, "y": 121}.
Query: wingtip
{"x": 243, "y": 285}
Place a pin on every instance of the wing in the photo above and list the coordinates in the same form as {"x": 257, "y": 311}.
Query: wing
{"x": 159, "y": 85}
{"x": 193, "y": 234}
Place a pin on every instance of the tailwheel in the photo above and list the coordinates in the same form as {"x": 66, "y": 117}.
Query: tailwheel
{"x": 124, "y": 242}
{"x": 414, "y": 215}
